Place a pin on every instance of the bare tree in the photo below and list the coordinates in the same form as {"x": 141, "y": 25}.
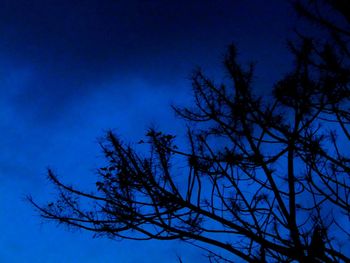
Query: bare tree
{"x": 266, "y": 179}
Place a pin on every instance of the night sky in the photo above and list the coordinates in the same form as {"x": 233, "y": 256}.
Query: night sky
{"x": 72, "y": 69}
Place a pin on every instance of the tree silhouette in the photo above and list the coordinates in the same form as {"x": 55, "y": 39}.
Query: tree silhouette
{"x": 266, "y": 178}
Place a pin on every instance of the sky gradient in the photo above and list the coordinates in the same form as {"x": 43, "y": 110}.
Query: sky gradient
{"x": 70, "y": 70}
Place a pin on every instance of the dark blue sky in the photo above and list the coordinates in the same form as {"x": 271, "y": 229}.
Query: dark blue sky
{"x": 70, "y": 70}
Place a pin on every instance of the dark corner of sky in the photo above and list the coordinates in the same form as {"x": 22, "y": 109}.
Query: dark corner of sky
{"x": 72, "y": 49}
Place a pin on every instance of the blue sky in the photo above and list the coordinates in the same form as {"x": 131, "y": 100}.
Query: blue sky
{"x": 70, "y": 70}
